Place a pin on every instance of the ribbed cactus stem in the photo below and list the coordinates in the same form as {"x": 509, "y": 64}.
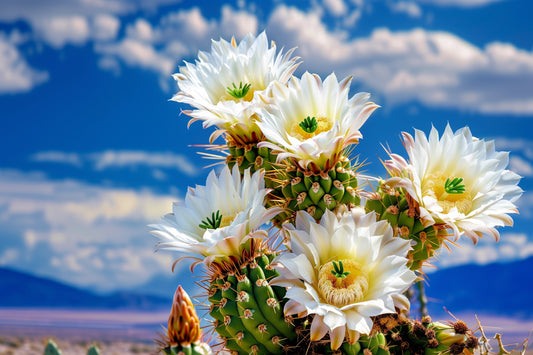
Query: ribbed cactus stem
{"x": 248, "y": 312}
{"x": 399, "y": 209}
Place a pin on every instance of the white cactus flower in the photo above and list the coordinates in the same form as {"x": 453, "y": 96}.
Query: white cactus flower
{"x": 342, "y": 271}
{"x": 312, "y": 121}
{"x": 223, "y": 85}
{"x": 216, "y": 219}
{"x": 459, "y": 181}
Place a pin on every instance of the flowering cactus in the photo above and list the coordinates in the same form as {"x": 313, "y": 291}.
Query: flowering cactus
{"x": 336, "y": 284}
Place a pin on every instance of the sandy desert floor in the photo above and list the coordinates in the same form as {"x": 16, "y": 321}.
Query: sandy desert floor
{"x": 10, "y": 345}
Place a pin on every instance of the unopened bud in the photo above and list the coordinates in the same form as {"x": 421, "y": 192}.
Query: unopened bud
{"x": 183, "y": 322}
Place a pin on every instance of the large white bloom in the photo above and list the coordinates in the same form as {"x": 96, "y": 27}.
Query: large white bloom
{"x": 206, "y": 85}
{"x": 472, "y": 206}
{"x": 240, "y": 208}
{"x": 377, "y": 266}
{"x": 313, "y": 121}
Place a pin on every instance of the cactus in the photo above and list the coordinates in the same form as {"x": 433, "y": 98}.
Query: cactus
{"x": 314, "y": 191}
{"x": 396, "y": 207}
{"x": 250, "y": 156}
{"x": 51, "y": 348}
{"x": 248, "y": 312}
{"x": 93, "y": 350}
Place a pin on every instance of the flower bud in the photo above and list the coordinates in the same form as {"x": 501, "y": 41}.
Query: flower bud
{"x": 183, "y": 322}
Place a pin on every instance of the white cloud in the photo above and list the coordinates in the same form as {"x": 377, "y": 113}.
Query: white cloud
{"x": 512, "y": 246}
{"x": 138, "y": 54}
{"x": 57, "y": 157}
{"x": 336, "y": 7}
{"x": 61, "y": 22}
{"x": 16, "y": 75}
{"x": 410, "y": 8}
{"x": 58, "y": 31}
{"x": 460, "y": 3}
{"x": 105, "y": 27}
{"x": 435, "y": 68}
{"x": 140, "y": 30}
{"x": 178, "y": 35}
{"x": 83, "y": 234}
{"x": 119, "y": 159}
{"x": 520, "y": 166}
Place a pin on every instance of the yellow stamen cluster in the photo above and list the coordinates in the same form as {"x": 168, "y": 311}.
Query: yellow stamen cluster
{"x": 340, "y": 291}
{"x": 324, "y": 124}
{"x": 435, "y": 186}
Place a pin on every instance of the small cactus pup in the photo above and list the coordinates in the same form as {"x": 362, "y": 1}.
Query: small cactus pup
{"x": 52, "y": 348}
{"x": 93, "y": 350}
{"x": 310, "y": 126}
{"x": 224, "y": 87}
{"x": 183, "y": 333}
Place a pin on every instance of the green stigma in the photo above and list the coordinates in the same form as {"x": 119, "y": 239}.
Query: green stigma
{"x": 239, "y": 92}
{"x": 454, "y": 186}
{"x": 339, "y": 270}
{"x": 309, "y": 124}
{"x": 213, "y": 222}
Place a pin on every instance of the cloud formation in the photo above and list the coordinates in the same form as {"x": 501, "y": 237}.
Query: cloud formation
{"x": 433, "y": 67}
{"x": 16, "y": 75}
{"x": 177, "y": 35}
{"x": 460, "y": 3}
{"x": 512, "y": 246}
{"x": 77, "y": 232}
{"x": 110, "y": 159}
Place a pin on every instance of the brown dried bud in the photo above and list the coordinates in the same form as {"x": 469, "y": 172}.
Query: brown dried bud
{"x": 457, "y": 348}
{"x": 460, "y": 327}
{"x": 419, "y": 330}
{"x": 433, "y": 343}
{"x": 472, "y": 342}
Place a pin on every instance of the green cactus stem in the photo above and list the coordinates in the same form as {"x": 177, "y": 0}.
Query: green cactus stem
{"x": 93, "y": 350}
{"x": 52, "y": 348}
{"x": 248, "y": 311}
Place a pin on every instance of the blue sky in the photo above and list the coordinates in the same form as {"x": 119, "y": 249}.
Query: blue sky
{"x": 93, "y": 150}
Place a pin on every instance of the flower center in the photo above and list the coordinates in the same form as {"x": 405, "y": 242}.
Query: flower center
{"x": 240, "y": 92}
{"x": 448, "y": 191}
{"x": 343, "y": 282}
{"x": 216, "y": 221}
{"x": 310, "y": 127}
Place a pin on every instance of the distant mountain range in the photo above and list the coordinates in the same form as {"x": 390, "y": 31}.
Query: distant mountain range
{"x": 499, "y": 288}
{"x": 24, "y": 290}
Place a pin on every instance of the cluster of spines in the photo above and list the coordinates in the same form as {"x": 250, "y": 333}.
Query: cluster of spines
{"x": 394, "y": 206}
{"x": 250, "y": 156}
{"x": 247, "y": 312}
{"x": 299, "y": 190}
{"x": 424, "y": 337}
